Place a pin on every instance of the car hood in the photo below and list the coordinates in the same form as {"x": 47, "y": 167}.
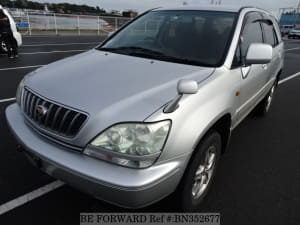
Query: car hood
{"x": 110, "y": 87}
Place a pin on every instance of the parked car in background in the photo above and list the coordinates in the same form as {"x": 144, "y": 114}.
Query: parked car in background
{"x": 295, "y": 33}
{"x": 16, "y": 34}
{"x": 150, "y": 111}
{"x": 285, "y": 29}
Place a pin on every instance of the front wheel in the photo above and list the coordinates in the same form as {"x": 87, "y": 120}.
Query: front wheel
{"x": 200, "y": 172}
{"x": 264, "y": 106}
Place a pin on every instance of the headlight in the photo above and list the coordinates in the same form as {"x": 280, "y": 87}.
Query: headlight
{"x": 135, "y": 145}
{"x": 20, "y": 93}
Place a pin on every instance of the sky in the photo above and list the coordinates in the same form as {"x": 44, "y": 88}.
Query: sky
{"x": 142, "y": 5}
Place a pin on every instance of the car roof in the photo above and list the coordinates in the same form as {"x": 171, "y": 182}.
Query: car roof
{"x": 215, "y": 8}
{"x": 218, "y": 8}
{"x": 205, "y": 8}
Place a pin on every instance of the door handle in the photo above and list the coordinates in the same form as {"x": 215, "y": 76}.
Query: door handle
{"x": 265, "y": 66}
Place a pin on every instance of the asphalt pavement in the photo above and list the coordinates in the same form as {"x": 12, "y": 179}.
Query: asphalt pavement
{"x": 257, "y": 183}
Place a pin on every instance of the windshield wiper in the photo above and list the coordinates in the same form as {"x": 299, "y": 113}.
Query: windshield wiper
{"x": 183, "y": 61}
{"x": 131, "y": 50}
{"x": 148, "y": 53}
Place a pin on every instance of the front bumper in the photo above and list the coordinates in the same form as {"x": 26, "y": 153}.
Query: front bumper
{"x": 126, "y": 187}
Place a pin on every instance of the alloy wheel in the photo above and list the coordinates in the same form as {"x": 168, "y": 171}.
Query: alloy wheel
{"x": 270, "y": 98}
{"x": 204, "y": 173}
{"x": 3, "y": 46}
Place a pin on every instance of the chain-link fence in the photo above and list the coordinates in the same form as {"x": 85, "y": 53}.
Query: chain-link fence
{"x": 66, "y": 24}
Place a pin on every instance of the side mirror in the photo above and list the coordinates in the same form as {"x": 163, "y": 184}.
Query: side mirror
{"x": 187, "y": 87}
{"x": 259, "y": 54}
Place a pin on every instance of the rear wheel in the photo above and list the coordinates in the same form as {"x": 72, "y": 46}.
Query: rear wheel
{"x": 200, "y": 172}
{"x": 3, "y": 47}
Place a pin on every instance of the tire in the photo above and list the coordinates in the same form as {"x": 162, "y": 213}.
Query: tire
{"x": 3, "y": 47}
{"x": 200, "y": 172}
{"x": 264, "y": 106}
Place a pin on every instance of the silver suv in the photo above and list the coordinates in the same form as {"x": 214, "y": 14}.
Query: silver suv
{"x": 151, "y": 109}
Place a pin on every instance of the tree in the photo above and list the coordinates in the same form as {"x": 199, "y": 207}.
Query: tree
{"x": 58, "y": 8}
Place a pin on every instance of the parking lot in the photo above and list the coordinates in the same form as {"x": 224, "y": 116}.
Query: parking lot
{"x": 258, "y": 181}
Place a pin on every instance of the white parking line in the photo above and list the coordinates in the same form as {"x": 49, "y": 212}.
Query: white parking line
{"x": 291, "y": 49}
{"x": 60, "y": 44}
{"x": 289, "y": 78}
{"x": 286, "y": 40}
{"x": 7, "y": 100}
{"x": 30, "y": 196}
{"x": 51, "y": 52}
{"x": 19, "y": 68}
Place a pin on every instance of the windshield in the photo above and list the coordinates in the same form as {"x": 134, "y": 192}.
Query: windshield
{"x": 189, "y": 37}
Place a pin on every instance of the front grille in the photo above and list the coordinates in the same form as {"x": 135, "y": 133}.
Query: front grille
{"x": 57, "y": 119}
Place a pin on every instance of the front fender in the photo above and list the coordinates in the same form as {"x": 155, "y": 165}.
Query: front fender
{"x": 198, "y": 113}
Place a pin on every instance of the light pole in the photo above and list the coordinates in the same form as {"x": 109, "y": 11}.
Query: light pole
{"x": 13, "y": 3}
{"x": 216, "y": 2}
{"x": 297, "y": 12}
{"x": 296, "y": 16}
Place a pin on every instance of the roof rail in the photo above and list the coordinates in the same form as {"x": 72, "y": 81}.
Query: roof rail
{"x": 254, "y": 7}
